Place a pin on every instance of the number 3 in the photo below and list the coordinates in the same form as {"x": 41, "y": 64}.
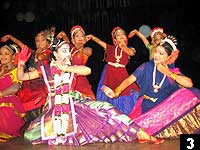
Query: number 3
{"x": 191, "y": 140}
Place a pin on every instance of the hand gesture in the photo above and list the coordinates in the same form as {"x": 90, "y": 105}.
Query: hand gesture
{"x": 132, "y": 33}
{"x": 4, "y": 69}
{"x": 61, "y": 35}
{"x": 108, "y": 91}
{"x": 5, "y": 38}
{"x": 163, "y": 68}
{"x": 24, "y": 54}
{"x": 123, "y": 44}
{"x": 89, "y": 37}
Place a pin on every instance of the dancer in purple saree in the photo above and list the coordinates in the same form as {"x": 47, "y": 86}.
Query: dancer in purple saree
{"x": 69, "y": 118}
{"x": 167, "y": 104}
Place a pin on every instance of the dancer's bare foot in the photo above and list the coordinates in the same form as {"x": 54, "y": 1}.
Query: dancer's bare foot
{"x": 144, "y": 137}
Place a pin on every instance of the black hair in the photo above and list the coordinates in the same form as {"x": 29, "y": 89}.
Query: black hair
{"x": 55, "y": 45}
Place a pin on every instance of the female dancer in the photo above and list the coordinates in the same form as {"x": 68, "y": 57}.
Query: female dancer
{"x": 117, "y": 57}
{"x": 80, "y": 56}
{"x": 33, "y": 93}
{"x": 11, "y": 109}
{"x": 157, "y": 35}
{"x": 167, "y": 105}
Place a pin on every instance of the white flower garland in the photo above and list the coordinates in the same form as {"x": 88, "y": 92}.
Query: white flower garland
{"x": 60, "y": 121}
{"x": 118, "y": 57}
{"x": 157, "y": 86}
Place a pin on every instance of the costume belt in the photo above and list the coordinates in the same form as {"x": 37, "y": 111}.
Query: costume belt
{"x": 116, "y": 64}
{"x": 150, "y": 98}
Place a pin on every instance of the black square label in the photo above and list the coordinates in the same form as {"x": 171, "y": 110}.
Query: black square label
{"x": 190, "y": 142}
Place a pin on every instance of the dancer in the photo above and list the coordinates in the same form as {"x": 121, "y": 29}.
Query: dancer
{"x": 157, "y": 34}
{"x": 167, "y": 104}
{"x": 79, "y": 56}
{"x": 117, "y": 57}
{"x": 11, "y": 109}
{"x": 33, "y": 93}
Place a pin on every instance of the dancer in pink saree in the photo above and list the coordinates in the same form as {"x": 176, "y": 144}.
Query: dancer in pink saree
{"x": 11, "y": 109}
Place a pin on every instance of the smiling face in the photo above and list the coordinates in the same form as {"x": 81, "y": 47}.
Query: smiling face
{"x": 41, "y": 41}
{"x": 160, "y": 55}
{"x": 120, "y": 37}
{"x": 78, "y": 38}
{"x": 6, "y": 55}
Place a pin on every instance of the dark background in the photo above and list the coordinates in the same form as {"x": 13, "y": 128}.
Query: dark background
{"x": 179, "y": 18}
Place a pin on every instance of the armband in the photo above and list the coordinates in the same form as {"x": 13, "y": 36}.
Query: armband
{"x": 173, "y": 76}
{"x": 149, "y": 46}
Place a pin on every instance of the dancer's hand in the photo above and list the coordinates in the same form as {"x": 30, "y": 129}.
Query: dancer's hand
{"x": 61, "y": 35}
{"x": 24, "y": 55}
{"x": 123, "y": 44}
{"x": 108, "y": 91}
{"x": 5, "y": 38}
{"x": 132, "y": 33}
{"x": 163, "y": 68}
{"x": 89, "y": 37}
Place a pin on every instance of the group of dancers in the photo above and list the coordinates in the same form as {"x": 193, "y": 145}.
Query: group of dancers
{"x": 46, "y": 97}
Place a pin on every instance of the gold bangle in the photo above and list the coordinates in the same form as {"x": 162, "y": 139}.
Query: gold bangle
{"x": 173, "y": 76}
{"x": 118, "y": 91}
{"x": 1, "y": 95}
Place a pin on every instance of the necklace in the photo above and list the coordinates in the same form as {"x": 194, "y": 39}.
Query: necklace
{"x": 76, "y": 51}
{"x": 157, "y": 86}
{"x": 118, "y": 57}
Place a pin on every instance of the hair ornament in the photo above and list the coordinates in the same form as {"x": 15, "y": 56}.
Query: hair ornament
{"x": 155, "y": 30}
{"x": 75, "y": 29}
{"x": 171, "y": 40}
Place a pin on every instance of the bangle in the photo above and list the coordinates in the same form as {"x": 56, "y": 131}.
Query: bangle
{"x": 149, "y": 46}
{"x": 173, "y": 76}
{"x": 118, "y": 91}
{"x": 39, "y": 72}
{"x": 1, "y": 95}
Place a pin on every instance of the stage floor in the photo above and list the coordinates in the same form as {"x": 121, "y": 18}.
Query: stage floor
{"x": 20, "y": 144}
